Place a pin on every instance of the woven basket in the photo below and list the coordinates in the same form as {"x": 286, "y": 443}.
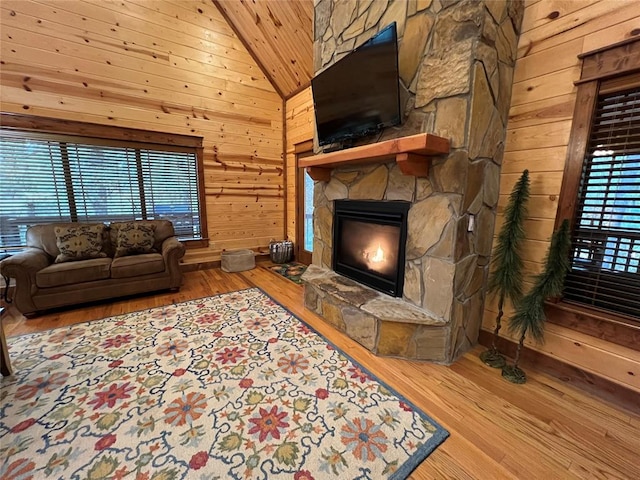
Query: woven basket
{"x": 237, "y": 260}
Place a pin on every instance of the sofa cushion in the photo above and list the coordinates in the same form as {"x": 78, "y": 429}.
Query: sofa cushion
{"x": 136, "y": 265}
{"x": 59, "y": 274}
{"x": 163, "y": 230}
{"x": 79, "y": 242}
{"x": 43, "y": 236}
{"x": 135, "y": 238}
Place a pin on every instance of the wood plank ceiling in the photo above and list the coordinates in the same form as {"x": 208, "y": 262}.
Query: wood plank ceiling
{"x": 279, "y": 35}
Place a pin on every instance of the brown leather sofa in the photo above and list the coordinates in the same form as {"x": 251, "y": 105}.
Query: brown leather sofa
{"x": 42, "y": 284}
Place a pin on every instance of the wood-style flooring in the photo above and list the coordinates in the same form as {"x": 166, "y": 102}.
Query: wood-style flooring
{"x": 541, "y": 430}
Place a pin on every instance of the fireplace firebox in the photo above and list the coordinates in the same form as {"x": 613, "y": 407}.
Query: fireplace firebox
{"x": 369, "y": 239}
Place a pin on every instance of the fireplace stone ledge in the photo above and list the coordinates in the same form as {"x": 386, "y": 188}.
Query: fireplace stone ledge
{"x": 385, "y": 325}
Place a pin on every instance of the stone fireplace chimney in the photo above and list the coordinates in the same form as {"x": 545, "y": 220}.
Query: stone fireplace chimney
{"x": 456, "y": 62}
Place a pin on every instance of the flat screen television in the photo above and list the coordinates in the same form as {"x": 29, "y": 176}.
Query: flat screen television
{"x": 359, "y": 94}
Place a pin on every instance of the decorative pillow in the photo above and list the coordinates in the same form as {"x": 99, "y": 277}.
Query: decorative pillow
{"x": 79, "y": 242}
{"x": 134, "y": 238}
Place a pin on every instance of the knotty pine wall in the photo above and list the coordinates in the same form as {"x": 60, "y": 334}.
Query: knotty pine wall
{"x": 540, "y": 120}
{"x": 164, "y": 65}
{"x": 299, "y": 124}
{"x": 280, "y": 35}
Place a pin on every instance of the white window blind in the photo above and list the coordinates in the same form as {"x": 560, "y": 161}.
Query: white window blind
{"x": 54, "y": 178}
{"x": 606, "y": 238}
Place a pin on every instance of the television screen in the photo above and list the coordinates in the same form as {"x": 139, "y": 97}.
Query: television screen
{"x": 359, "y": 94}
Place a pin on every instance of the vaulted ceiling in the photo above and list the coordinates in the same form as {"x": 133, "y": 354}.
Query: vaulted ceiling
{"x": 279, "y": 34}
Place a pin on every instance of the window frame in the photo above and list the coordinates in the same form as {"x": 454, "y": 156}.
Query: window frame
{"x": 605, "y": 70}
{"x": 53, "y": 126}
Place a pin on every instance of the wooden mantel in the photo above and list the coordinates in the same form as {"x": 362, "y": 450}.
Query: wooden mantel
{"x": 412, "y": 154}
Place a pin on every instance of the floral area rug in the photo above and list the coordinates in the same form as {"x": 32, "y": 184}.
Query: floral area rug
{"x": 293, "y": 271}
{"x": 231, "y": 386}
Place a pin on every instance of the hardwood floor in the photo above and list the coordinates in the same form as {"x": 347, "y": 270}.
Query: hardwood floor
{"x": 543, "y": 429}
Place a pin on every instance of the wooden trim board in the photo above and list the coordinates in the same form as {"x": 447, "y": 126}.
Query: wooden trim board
{"x": 36, "y": 123}
{"x": 600, "y": 324}
{"x": 618, "y": 59}
{"x": 593, "y": 384}
{"x": 581, "y": 126}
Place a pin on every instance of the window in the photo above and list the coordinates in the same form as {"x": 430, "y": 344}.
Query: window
{"x": 601, "y": 197}
{"x": 57, "y": 177}
{"x": 606, "y": 236}
{"x": 304, "y": 205}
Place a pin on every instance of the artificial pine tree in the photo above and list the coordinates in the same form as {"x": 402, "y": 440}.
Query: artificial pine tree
{"x": 529, "y": 316}
{"x": 506, "y": 277}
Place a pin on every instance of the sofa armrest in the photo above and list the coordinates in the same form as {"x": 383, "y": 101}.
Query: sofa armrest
{"x": 23, "y": 267}
{"x": 30, "y": 260}
{"x": 172, "y": 251}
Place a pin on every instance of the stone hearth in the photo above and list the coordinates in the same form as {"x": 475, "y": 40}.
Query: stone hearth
{"x": 385, "y": 325}
{"x": 456, "y": 63}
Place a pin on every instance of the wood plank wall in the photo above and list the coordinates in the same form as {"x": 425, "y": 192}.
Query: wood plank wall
{"x": 280, "y": 35}
{"x": 554, "y": 33}
{"x": 299, "y": 124}
{"x": 167, "y": 65}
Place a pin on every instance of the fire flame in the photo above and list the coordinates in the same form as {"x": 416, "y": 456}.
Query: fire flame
{"x": 378, "y": 256}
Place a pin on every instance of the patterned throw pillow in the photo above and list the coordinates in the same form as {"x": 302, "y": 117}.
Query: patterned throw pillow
{"x": 79, "y": 242}
{"x": 134, "y": 238}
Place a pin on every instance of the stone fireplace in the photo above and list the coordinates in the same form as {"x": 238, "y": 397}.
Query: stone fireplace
{"x": 456, "y": 63}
